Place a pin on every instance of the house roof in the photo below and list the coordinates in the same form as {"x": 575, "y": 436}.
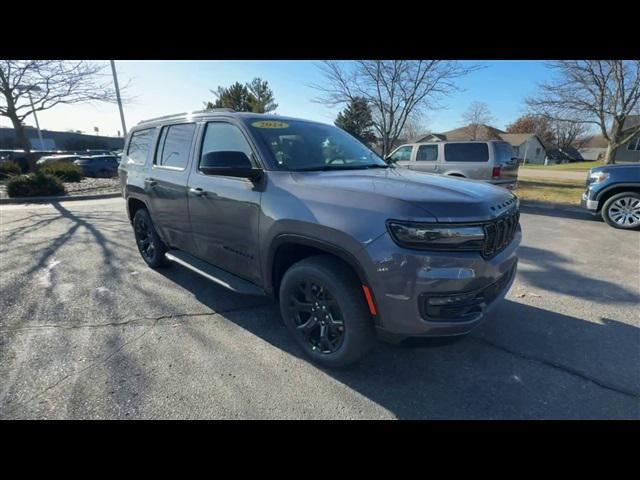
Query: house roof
{"x": 594, "y": 141}
{"x": 631, "y": 121}
{"x": 485, "y": 132}
{"x": 517, "y": 139}
{"x": 564, "y": 153}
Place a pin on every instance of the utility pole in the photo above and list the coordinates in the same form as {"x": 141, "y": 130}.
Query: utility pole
{"x": 115, "y": 81}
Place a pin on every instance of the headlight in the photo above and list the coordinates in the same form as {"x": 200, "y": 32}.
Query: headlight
{"x": 437, "y": 237}
{"x": 597, "y": 177}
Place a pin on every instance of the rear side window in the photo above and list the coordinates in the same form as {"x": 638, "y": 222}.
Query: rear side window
{"x": 466, "y": 152}
{"x": 505, "y": 153}
{"x": 174, "y": 145}
{"x": 221, "y": 136}
{"x": 139, "y": 145}
{"x": 427, "y": 153}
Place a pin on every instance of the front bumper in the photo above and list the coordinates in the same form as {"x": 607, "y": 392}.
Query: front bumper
{"x": 400, "y": 280}
{"x": 585, "y": 202}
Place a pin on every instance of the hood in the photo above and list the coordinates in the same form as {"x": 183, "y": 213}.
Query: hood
{"x": 447, "y": 199}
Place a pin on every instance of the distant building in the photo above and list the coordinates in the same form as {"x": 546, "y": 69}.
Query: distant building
{"x": 526, "y": 146}
{"x": 54, "y": 140}
{"x": 482, "y": 132}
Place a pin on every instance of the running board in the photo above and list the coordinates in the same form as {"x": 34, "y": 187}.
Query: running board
{"x": 215, "y": 274}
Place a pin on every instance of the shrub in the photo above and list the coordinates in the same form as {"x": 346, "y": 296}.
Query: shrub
{"x": 8, "y": 169}
{"x": 67, "y": 172}
{"x": 34, "y": 185}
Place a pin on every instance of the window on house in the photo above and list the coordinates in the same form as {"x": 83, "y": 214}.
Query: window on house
{"x": 634, "y": 144}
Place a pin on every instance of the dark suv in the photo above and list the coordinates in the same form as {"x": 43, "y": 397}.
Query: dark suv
{"x": 303, "y": 212}
{"x": 613, "y": 191}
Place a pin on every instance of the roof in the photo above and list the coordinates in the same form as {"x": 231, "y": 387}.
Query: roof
{"x": 594, "y": 141}
{"x": 569, "y": 153}
{"x": 517, "y": 139}
{"x": 485, "y": 132}
{"x": 217, "y": 112}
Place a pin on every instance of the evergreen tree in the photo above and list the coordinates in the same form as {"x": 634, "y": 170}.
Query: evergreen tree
{"x": 252, "y": 97}
{"x": 262, "y": 100}
{"x": 357, "y": 120}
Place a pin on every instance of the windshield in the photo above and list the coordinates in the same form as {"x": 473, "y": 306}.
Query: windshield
{"x": 303, "y": 146}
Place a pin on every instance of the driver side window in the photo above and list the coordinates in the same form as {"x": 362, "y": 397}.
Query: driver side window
{"x": 403, "y": 154}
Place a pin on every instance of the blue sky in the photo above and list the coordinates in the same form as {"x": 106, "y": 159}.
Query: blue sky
{"x": 165, "y": 87}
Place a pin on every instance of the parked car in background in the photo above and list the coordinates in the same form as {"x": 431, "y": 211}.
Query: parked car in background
{"x": 492, "y": 161}
{"x": 303, "y": 212}
{"x": 613, "y": 191}
{"x": 98, "y": 165}
{"x": 49, "y": 159}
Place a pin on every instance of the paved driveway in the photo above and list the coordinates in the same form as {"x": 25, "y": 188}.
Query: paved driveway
{"x": 88, "y": 331}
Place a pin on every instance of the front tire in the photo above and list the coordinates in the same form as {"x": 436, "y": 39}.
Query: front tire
{"x": 323, "y": 306}
{"x": 150, "y": 246}
{"x": 622, "y": 211}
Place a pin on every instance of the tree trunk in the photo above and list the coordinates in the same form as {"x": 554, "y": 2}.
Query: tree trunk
{"x": 608, "y": 156}
{"x": 21, "y": 137}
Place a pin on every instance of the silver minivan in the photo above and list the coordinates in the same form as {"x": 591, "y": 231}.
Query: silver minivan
{"x": 492, "y": 160}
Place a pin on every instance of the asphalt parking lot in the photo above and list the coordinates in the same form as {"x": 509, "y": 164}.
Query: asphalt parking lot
{"x": 88, "y": 331}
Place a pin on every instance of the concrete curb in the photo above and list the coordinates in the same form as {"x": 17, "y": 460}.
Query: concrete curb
{"x": 10, "y": 201}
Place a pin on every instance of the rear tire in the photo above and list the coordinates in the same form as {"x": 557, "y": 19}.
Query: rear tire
{"x": 622, "y": 211}
{"x": 325, "y": 289}
{"x": 150, "y": 246}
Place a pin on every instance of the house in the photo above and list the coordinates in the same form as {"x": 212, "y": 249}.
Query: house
{"x": 526, "y": 146}
{"x": 630, "y": 151}
{"x": 593, "y": 148}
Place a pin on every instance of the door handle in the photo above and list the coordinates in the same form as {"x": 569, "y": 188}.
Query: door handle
{"x": 198, "y": 192}
{"x": 150, "y": 182}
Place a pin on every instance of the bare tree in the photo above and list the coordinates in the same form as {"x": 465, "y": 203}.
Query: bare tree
{"x": 598, "y": 92}
{"x": 395, "y": 89}
{"x": 568, "y": 134}
{"x": 414, "y": 127}
{"x": 475, "y": 116}
{"x": 48, "y": 83}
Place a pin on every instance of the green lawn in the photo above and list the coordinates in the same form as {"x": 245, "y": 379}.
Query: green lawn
{"x": 562, "y": 192}
{"x": 574, "y": 167}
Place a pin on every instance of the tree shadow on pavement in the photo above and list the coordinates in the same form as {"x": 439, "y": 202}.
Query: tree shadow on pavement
{"x": 526, "y": 362}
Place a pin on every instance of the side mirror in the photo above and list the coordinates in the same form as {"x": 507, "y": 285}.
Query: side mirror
{"x": 230, "y": 164}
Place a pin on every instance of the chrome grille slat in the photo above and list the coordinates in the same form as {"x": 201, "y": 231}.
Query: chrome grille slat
{"x": 500, "y": 232}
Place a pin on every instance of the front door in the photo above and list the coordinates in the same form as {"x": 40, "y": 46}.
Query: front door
{"x": 225, "y": 211}
{"x": 426, "y": 159}
{"x": 402, "y": 156}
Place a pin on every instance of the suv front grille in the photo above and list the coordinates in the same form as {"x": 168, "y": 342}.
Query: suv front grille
{"x": 499, "y": 233}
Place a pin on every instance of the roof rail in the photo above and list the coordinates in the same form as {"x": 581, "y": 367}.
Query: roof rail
{"x": 164, "y": 117}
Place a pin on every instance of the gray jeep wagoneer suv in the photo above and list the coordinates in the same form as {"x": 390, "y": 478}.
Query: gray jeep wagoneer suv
{"x": 301, "y": 211}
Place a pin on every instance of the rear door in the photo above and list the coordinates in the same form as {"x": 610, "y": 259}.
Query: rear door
{"x": 426, "y": 159}
{"x": 166, "y": 184}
